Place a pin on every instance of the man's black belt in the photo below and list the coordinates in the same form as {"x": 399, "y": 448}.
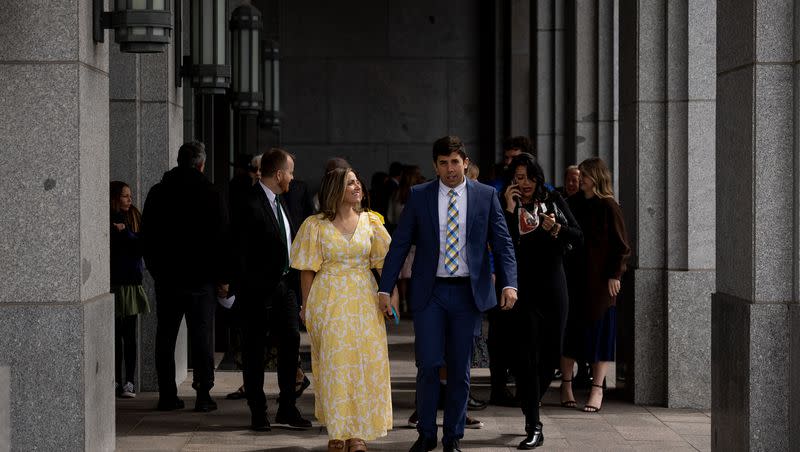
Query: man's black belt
{"x": 453, "y": 280}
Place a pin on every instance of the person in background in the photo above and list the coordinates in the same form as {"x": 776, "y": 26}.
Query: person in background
{"x": 512, "y": 147}
{"x": 377, "y": 188}
{"x": 335, "y": 252}
{"x": 572, "y": 181}
{"x": 572, "y": 185}
{"x": 594, "y": 279}
{"x": 126, "y": 268}
{"x": 187, "y": 250}
{"x": 473, "y": 171}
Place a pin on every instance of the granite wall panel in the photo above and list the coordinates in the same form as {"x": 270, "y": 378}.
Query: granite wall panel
{"x": 424, "y": 29}
{"x": 306, "y": 82}
{"x": 688, "y": 345}
{"x": 768, "y": 409}
{"x": 40, "y": 182}
{"x": 650, "y": 340}
{"x": 5, "y": 408}
{"x": 773, "y": 199}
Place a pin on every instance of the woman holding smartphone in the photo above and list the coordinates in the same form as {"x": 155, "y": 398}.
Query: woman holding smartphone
{"x": 541, "y": 226}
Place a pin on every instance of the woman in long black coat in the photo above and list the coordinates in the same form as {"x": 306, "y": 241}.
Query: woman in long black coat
{"x": 595, "y": 270}
{"x": 541, "y": 226}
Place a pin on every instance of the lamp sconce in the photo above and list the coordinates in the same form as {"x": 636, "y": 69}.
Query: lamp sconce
{"x": 140, "y": 26}
{"x": 270, "y": 115}
{"x": 208, "y": 67}
{"x": 246, "y": 25}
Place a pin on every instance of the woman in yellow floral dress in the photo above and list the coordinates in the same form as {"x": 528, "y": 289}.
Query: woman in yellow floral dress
{"x": 334, "y": 252}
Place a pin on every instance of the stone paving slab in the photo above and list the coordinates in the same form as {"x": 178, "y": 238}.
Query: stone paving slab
{"x": 619, "y": 426}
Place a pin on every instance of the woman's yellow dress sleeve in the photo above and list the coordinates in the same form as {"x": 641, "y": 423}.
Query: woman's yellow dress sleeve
{"x": 380, "y": 241}
{"x": 306, "y": 249}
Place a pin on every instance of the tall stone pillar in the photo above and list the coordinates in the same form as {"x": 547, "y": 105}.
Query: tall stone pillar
{"x": 56, "y": 312}
{"x": 592, "y": 77}
{"x": 548, "y": 86}
{"x": 755, "y": 311}
{"x": 146, "y": 116}
{"x": 519, "y": 68}
{"x": 585, "y": 81}
{"x": 667, "y": 118}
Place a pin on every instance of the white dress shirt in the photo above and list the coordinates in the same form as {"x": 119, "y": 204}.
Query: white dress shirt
{"x": 272, "y": 203}
{"x": 461, "y": 205}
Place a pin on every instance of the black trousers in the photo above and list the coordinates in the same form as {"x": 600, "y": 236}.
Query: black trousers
{"x": 198, "y": 304}
{"x": 280, "y": 321}
{"x": 500, "y": 344}
{"x": 125, "y": 348}
{"x": 538, "y": 350}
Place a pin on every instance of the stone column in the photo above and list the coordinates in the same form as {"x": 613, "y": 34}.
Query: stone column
{"x": 690, "y": 202}
{"x": 755, "y": 311}
{"x": 146, "y": 116}
{"x": 56, "y": 312}
{"x": 520, "y": 69}
{"x": 548, "y": 86}
{"x": 592, "y": 74}
{"x": 585, "y": 100}
{"x": 667, "y": 195}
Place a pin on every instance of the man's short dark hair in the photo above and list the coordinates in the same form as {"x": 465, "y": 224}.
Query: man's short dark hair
{"x": 522, "y": 143}
{"x": 191, "y": 154}
{"x": 447, "y": 145}
{"x": 275, "y": 159}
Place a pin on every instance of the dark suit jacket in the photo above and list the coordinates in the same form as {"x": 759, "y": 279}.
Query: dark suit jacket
{"x": 419, "y": 224}
{"x": 261, "y": 252}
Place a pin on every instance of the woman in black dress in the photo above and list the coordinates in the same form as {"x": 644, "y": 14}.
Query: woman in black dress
{"x": 541, "y": 226}
{"x": 595, "y": 270}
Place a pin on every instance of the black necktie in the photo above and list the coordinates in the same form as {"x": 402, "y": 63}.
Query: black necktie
{"x": 282, "y": 229}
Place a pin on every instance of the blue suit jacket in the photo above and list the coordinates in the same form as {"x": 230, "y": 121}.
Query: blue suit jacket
{"x": 419, "y": 225}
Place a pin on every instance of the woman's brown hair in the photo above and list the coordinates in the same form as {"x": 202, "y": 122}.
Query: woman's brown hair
{"x": 132, "y": 218}
{"x": 331, "y": 192}
{"x": 595, "y": 169}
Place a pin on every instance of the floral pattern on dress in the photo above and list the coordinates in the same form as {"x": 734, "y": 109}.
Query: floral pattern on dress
{"x": 349, "y": 354}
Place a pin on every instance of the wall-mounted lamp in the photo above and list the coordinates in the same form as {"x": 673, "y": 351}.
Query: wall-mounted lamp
{"x": 208, "y": 66}
{"x": 246, "y": 25}
{"x": 140, "y": 26}
{"x": 270, "y": 116}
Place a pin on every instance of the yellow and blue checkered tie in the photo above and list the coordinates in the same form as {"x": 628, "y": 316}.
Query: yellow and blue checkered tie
{"x": 451, "y": 245}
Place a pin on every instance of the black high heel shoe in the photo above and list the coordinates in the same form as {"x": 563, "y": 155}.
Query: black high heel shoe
{"x": 591, "y": 408}
{"x": 534, "y": 439}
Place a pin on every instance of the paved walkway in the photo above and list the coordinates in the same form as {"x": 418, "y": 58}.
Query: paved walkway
{"x": 619, "y": 426}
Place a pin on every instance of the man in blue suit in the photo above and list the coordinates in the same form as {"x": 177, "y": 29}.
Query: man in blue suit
{"x": 451, "y": 220}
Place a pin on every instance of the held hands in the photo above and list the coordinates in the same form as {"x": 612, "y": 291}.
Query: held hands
{"x": 120, "y": 226}
{"x": 508, "y": 298}
{"x": 222, "y": 290}
{"x": 613, "y": 287}
{"x": 386, "y": 302}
